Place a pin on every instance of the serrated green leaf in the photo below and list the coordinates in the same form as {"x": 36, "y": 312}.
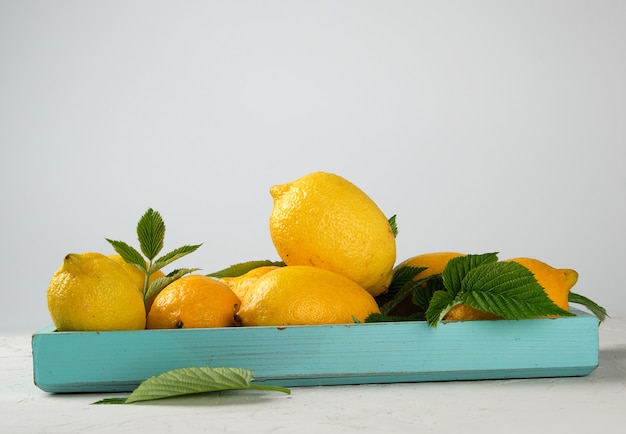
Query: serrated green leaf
{"x": 394, "y": 226}
{"x": 593, "y": 307}
{"x": 242, "y": 268}
{"x": 507, "y": 289}
{"x": 129, "y": 254}
{"x": 186, "y": 381}
{"x": 151, "y": 233}
{"x": 172, "y": 256}
{"x": 157, "y": 285}
{"x": 457, "y": 268}
{"x": 440, "y": 304}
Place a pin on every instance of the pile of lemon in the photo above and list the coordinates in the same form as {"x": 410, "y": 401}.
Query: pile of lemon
{"x": 339, "y": 251}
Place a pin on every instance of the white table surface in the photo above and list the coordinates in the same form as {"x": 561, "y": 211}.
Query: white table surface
{"x": 595, "y": 403}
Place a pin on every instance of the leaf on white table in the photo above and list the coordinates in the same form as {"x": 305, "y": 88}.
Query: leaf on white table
{"x": 187, "y": 381}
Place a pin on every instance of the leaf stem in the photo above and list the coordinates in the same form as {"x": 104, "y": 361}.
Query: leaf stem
{"x": 271, "y": 388}
{"x": 146, "y": 284}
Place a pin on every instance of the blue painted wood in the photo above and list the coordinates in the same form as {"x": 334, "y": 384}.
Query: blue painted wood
{"x": 322, "y": 355}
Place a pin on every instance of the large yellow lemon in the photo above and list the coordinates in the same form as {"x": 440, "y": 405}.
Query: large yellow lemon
{"x": 323, "y": 220}
{"x": 305, "y": 295}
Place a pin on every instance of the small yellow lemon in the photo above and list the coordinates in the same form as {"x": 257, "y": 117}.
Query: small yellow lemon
{"x": 194, "y": 301}
{"x": 323, "y": 220}
{"x": 89, "y": 291}
{"x": 241, "y": 284}
{"x": 305, "y": 295}
{"x": 434, "y": 263}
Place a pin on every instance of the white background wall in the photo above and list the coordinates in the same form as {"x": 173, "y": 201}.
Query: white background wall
{"x": 484, "y": 125}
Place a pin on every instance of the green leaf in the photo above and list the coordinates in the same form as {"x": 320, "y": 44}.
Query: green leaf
{"x": 403, "y": 275}
{"x": 393, "y": 225}
{"x": 151, "y": 233}
{"x": 389, "y": 303}
{"x": 423, "y": 293}
{"x": 507, "y": 289}
{"x": 172, "y": 256}
{"x": 440, "y": 303}
{"x": 159, "y": 284}
{"x": 458, "y": 267}
{"x": 129, "y": 254}
{"x": 399, "y": 288}
{"x": 242, "y": 268}
{"x": 593, "y": 307}
{"x": 381, "y": 317}
{"x": 111, "y": 401}
{"x": 418, "y": 291}
{"x": 186, "y": 381}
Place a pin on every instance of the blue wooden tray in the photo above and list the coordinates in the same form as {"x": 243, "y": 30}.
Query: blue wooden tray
{"x": 322, "y": 355}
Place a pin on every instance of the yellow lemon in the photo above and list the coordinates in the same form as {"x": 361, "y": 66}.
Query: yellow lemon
{"x": 194, "y": 301}
{"x": 305, "y": 295}
{"x": 556, "y": 282}
{"x": 241, "y": 284}
{"x": 434, "y": 263}
{"x": 89, "y": 291}
{"x": 323, "y": 220}
{"x": 463, "y": 312}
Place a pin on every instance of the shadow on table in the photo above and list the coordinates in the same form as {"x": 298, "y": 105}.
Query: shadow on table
{"x": 223, "y": 398}
{"x": 612, "y": 365}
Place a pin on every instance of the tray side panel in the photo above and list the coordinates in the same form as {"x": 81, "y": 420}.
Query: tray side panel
{"x": 322, "y": 355}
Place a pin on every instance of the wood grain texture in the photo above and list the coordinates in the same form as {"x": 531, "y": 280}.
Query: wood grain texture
{"x": 322, "y": 355}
